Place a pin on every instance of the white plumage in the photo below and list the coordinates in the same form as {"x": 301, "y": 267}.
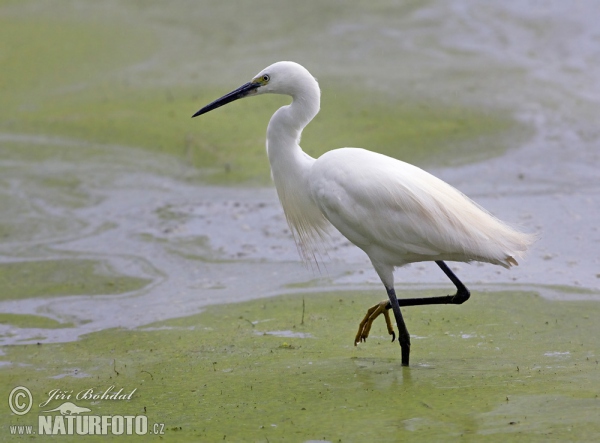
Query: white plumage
{"x": 395, "y": 212}
{"x": 398, "y": 213}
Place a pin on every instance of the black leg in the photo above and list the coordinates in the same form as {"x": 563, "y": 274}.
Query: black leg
{"x": 461, "y": 296}
{"x": 403, "y": 335}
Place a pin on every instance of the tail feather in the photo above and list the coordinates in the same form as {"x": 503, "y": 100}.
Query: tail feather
{"x": 511, "y": 261}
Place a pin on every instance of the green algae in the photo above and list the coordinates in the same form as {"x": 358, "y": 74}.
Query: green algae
{"x": 47, "y": 278}
{"x": 504, "y": 366}
{"x": 88, "y": 77}
{"x": 31, "y": 321}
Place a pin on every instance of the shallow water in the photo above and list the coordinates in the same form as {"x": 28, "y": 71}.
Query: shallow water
{"x": 508, "y": 365}
{"x": 161, "y": 244}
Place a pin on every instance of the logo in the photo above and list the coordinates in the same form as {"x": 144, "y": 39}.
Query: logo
{"x": 69, "y": 408}
{"x": 69, "y": 418}
{"x": 88, "y": 394}
{"x": 20, "y": 400}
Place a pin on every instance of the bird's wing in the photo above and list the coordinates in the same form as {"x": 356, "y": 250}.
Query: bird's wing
{"x": 381, "y": 203}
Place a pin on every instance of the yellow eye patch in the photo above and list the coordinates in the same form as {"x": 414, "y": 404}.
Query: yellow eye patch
{"x": 262, "y": 79}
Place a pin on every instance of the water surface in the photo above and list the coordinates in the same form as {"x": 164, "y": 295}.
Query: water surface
{"x": 102, "y": 166}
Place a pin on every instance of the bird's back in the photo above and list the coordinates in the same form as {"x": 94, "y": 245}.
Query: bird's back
{"x": 398, "y": 213}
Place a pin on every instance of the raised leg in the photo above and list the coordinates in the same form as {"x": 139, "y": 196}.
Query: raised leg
{"x": 461, "y": 296}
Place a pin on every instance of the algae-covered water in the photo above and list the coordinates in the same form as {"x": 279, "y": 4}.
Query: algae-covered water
{"x": 128, "y": 229}
{"x": 509, "y": 366}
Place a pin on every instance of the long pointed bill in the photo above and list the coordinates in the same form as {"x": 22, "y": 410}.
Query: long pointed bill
{"x": 240, "y": 92}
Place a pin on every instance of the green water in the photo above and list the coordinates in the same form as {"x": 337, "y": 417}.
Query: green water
{"x": 103, "y": 75}
{"x": 98, "y": 85}
{"x": 506, "y": 366}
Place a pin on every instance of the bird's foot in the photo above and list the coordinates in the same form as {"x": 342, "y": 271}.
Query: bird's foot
{"x": 372, "y": 313}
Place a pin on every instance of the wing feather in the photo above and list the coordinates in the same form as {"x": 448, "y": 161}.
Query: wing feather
{"x": 385, "y": 205}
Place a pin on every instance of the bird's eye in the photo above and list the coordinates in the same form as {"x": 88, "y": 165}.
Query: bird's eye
{"x": 266, "y": 78}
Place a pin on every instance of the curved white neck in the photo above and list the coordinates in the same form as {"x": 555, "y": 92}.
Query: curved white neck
{"x": 290, "y": 169}
{"x": 286, "y": 125}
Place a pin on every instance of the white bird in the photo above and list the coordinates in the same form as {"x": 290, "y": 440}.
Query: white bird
{"x": 395, "y": 212}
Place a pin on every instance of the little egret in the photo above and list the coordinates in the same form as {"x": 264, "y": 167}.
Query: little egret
{"x": 395, "y": 212}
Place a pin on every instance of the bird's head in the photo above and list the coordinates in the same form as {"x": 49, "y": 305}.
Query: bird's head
{"x": 287, "y": 78}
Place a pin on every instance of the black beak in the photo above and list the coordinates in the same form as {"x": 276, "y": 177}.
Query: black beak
{"x": 240, "y": 92}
